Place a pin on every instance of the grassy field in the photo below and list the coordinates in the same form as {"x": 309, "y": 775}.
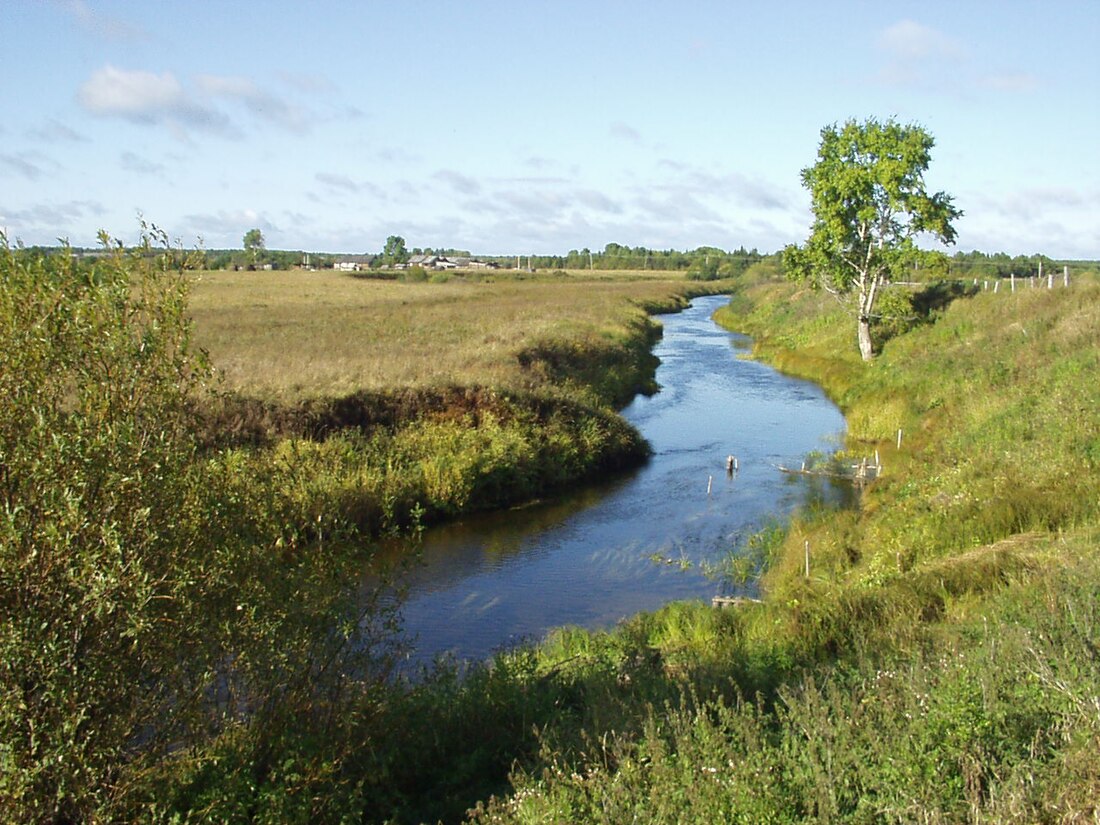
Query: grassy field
{"x": 289, "y": 335}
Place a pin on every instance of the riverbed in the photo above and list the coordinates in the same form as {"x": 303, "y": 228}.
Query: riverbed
{"x": 613, "y": 549}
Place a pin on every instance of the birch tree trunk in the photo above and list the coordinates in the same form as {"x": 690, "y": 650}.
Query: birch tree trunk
{"x": 865, "y": 348}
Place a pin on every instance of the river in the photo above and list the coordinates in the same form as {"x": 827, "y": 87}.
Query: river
{"x": 614, "y": 549}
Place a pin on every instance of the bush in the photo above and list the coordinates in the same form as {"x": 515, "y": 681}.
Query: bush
{"x": 151, "y": 607}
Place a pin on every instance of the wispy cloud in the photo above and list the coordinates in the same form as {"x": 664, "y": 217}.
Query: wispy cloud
{"x": 52, "y": 220}
{"x": 1012, "y": 83}
{"x": 911, "y": 41}
{"x": 29, "y": 165}
{"x": 137, "y": 164}
{"x": 345, "y": 184}
{"x": 918, "y": 56}
{"x": 162, "y": 99}
{"x": 462, "y": 184}
{"x": 226, "y": 228}
{"x": 54, "y": 131}
{"x": 624, "y": 131}
{"x": 260, "y": 103}
{"x": 102, "y": 25}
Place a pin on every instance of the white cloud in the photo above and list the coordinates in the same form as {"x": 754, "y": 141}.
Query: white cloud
{"x": 908, "y": 40}
{"x": 145, "y": 97}
{"x": 102, "y": 25}
{"x": 139, "y": 165}
{"x": 162, "y": 99}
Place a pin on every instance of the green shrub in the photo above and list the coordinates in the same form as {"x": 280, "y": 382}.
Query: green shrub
{"x": 153, "y": 611}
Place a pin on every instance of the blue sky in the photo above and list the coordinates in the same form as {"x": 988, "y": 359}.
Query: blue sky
{"x": 533, "y": 127}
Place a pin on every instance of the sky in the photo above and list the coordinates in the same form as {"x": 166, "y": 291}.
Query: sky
{"x": 531, "y": 126}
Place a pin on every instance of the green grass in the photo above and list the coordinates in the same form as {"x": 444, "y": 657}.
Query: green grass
{"x": 939, "y": 663}
{"x": 940, "y": 659}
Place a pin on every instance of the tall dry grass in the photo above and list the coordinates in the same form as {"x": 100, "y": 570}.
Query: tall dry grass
{"x": 288, "y": 335}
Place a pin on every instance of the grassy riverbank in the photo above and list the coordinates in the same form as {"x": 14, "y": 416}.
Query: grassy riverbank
{"x": 396, "y": 403}
{"x": 939, "y": 660}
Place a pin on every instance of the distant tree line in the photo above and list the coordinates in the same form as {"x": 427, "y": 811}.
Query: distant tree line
{"x": 999, "y": 265}
{"x": 702, "y": 263}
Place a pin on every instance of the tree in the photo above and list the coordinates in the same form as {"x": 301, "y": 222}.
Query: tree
{"x": 870, "y": 203}
{"x": 253, "y": 243}
{"x": 394, "y": 252}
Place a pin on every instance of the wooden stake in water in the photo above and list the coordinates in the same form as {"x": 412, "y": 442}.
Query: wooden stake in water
{"x": 710, "y": 481}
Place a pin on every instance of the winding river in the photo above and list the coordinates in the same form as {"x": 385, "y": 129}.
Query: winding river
{"x": 612, "y": 550}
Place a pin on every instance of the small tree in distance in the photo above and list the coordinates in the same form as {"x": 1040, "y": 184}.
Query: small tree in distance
{"x": 869, "y": 202}
{"x": 395, "y": 251}
{"x": 253, "y": 244}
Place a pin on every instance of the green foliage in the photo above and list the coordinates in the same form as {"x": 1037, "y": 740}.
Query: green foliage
{"x": 253, "y": 243}
{"x": 151, "y": 609}
{"x": 395, "y": 251}
{"x": 870, "y": 204}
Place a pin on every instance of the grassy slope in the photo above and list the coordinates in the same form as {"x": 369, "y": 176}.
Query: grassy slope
{"x": 940, "y": 662}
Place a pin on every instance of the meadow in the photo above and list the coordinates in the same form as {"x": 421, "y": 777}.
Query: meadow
{"x": 290, "y": 335}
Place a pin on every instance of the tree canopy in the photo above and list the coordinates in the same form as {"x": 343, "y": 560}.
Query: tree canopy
{"x": 395, "y": 251}
{"x": 870, "y": 204}
{"x": 253, "y": 242}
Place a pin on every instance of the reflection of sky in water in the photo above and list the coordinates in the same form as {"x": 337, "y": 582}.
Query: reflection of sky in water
{"x": 587, "y": 559}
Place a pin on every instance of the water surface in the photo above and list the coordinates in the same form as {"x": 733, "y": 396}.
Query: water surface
{"x": 611, "y": 550}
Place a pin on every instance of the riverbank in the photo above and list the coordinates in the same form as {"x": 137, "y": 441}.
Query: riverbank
{"x": 932, "y": 651}
{"x": 470, "y": 394}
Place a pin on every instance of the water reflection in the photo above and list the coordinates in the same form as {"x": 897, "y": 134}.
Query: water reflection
{"x": 632, "y": 544}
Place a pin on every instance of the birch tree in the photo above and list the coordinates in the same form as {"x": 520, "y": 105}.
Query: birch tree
{"x": 870, "y": 204}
